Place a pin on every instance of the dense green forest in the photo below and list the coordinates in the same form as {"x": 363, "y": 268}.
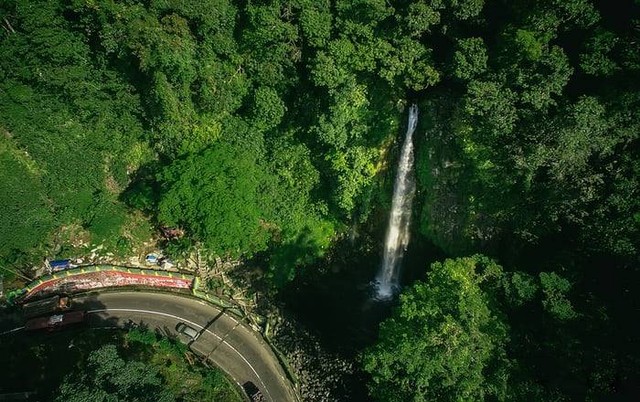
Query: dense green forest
{"x": 268, "y": 128}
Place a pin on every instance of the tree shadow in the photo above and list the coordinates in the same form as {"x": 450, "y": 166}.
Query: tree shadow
{"x": 36, "y": 362}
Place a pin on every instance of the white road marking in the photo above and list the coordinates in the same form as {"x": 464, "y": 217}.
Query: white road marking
{"x": 11, "y": 330}
{"x": 191, "y": 323}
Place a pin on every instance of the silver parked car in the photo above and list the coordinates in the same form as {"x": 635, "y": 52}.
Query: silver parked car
{"x": 188, "y": 331}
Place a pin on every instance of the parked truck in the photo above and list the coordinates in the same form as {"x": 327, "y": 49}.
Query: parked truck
{"x": 46, "y": 306}
{"x": 254, "y": 394}
{"x": 55, "y": 321}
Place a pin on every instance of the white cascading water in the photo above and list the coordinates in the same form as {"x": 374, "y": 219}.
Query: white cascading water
{"x": 397, "y": 238}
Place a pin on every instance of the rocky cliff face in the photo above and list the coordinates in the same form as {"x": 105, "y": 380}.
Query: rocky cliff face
{"x": 323, "y": 375}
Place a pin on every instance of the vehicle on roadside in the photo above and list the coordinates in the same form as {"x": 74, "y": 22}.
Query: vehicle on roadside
{"x": 187, "y": 331}
{"x": 46, "y": 306}
{"x": 55, "y": 321}
{"x": 254, "y": 394}
{"x": 152, "y": 259}
{"x": 165, "y": 263}
{"x": 60, "y": 265}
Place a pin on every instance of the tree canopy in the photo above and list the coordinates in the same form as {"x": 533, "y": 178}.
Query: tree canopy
{"x": 444, "y": 341}
{"x": 108, "y": 377}
{"x": 269, "y": 130}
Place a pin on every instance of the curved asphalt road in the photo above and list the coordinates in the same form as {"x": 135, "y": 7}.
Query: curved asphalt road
{"x": 239, "y": 351}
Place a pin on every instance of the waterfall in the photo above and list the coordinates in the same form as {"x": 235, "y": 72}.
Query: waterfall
{"x": 397, "y": 237}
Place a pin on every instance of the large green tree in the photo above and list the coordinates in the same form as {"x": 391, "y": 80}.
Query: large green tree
{"x": 108, "y": 377}
{"x": 215, "y": 194}
{"x": 445, "y": 340}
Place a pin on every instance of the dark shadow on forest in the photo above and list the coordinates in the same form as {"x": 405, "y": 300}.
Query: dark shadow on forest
{"x": 36, "y": 362}
{"x": 334, "y": 298}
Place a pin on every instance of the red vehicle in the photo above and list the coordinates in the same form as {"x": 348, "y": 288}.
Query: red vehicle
{"x": 56, "y": 321}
